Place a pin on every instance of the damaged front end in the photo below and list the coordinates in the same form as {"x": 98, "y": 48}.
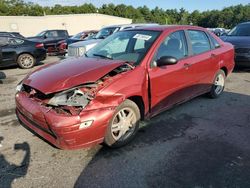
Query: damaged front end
{"x": 72, "y": 101}
{"x": 74, "y": 118}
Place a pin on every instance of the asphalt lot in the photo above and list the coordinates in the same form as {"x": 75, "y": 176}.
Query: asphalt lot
{"x": 202, "y": 143}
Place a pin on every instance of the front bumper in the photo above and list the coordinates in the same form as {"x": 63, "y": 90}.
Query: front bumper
{"x": 62, "y": 130}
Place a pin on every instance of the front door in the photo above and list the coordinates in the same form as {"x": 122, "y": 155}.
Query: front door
{"x": 171, "y": 84}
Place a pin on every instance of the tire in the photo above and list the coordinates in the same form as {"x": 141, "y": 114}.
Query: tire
{"x": 218, "y": 85}
{"x": 123, "y": 126}
{"x": 26, "y": 61}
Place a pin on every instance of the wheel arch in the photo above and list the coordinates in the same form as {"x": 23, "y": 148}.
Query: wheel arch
{"x": 138, "y": 100}
{"x": 225, "y": 70}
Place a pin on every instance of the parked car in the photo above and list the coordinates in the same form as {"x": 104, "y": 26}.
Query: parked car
{"x": 50, "y": 38}
{"x": 239, "y": 36}
{"x": 81, "y": 36}
{"x": 19, "y": 51}
{"x": 62, "y": 46}
{"x": 219, "y": 31}
{"x": 79, "y": 48}
{"x": 11, "y": 34}
{"x": 103, "y": 96}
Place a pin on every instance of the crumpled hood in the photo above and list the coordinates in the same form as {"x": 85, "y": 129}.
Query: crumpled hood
{"x": 237, "y": 41}
{"x": 69, "y": 73}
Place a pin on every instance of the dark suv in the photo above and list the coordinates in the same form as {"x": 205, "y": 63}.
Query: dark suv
{"x": 239, "y": 36}
{"x": 50, "y": 38}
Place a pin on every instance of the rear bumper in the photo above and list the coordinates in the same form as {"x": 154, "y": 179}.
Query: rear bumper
{"x": 62, "y": 130}
{"x": 40, "y": 54}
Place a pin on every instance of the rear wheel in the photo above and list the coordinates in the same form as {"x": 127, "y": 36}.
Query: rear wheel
{"x": 26, "y": 61}
{"x": 218, "y": 85}
{"x": 123, "y": 125}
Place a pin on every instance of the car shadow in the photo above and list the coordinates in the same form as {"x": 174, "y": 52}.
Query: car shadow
{"x": 9, "y": 171}
{"x": 152, "y": 160}
{"x": 2, "y": 76}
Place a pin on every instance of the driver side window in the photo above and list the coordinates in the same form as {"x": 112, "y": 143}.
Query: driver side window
{"x": 175, "y": 45}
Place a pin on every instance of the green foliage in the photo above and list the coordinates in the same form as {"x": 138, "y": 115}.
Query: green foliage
{"x": 228, "y": 17}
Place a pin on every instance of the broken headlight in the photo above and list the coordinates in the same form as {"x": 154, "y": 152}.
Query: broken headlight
{"x": 19, "y": 87}
{"x": 74, "y": 97}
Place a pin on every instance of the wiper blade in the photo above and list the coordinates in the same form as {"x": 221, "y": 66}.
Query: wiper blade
{"x": 102, "y": 56}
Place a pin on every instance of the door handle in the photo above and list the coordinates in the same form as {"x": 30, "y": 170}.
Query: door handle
{"x": 187, "y": 65}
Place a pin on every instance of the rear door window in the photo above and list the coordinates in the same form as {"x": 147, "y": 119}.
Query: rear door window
{"x": 199, "y": 41}
{"x": 51, "y": 34}
{"x": 62, "y": 33}
{"x": 3, "y": 41}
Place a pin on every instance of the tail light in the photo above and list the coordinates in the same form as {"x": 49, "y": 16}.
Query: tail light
{"x": 39, "y": 45}
{"x": 64, "y": 45}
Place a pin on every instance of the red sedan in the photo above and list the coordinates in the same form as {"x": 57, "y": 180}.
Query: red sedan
{"x": 130, "y": 76}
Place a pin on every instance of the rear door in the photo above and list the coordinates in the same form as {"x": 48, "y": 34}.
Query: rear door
{"x": 203, "y": 60}
{"x": 171, "y": 84}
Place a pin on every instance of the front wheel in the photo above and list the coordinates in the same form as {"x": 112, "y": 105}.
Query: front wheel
{"x": 218, "y": 85}
{"x": 123, "y": 125}
{"x": 26, "y": 61}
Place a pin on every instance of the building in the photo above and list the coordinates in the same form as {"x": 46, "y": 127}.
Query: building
{"x": 74, "y": 23}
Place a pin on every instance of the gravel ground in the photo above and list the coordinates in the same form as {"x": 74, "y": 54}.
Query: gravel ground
{"x": 202, "y": 143}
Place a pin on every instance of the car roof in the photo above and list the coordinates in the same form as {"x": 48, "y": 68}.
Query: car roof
{"x": 167, "y": 27}
{"x": 243, "y": 23}
{"x": 132, "y": 25}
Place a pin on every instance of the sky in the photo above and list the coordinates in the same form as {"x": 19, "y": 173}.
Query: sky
{"x": 189, "y": 5}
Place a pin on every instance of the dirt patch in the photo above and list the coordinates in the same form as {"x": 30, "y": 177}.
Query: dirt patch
{"x": 4, "y": 113}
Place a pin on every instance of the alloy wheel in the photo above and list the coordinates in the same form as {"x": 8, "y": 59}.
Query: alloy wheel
{"x": 123, "y": 124}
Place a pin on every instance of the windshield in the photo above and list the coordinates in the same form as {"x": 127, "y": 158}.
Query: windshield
{"x": 41, "y": 34}
{"x": 129, "y": 46}
{"x": 105, "y": 32}
{"x": 240, "y": 30}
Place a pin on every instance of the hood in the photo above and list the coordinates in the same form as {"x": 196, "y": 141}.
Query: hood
{"x": 85, "y": 43}
{"x": 237, "y": 40}
{"x": 69, "y": 73}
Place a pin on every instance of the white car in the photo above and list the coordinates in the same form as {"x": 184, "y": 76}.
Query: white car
{"x": 80, "y": 48}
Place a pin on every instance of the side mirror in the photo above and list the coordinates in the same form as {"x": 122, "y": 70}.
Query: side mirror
{"x": 166, "y": 60}
{"x": 45, "y": 37}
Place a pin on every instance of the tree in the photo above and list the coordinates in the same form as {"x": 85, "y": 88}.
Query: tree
{"x": 227, "y": 17}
